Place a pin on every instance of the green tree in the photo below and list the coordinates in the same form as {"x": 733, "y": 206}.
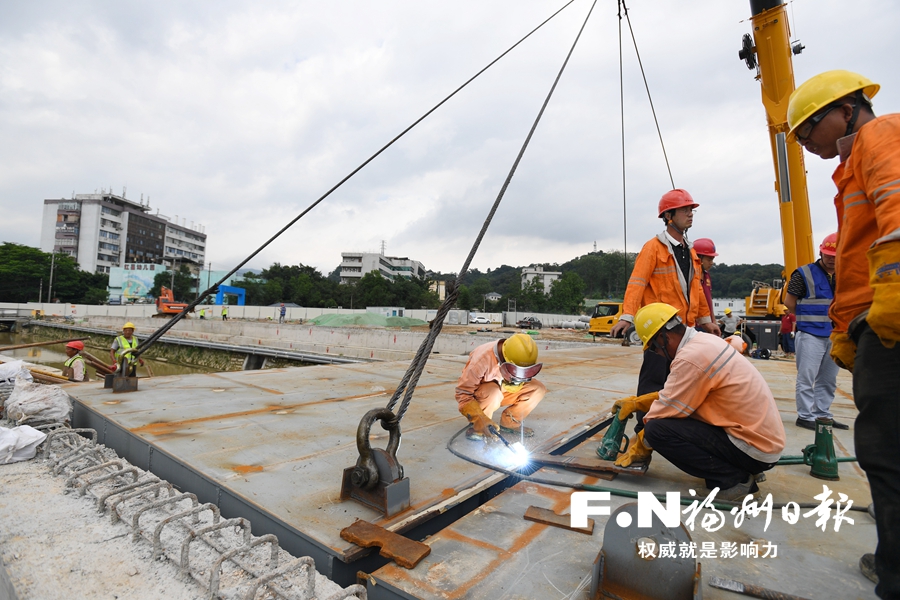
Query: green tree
{"x": 184, "y": 282}
{"x": 464, "y": 301}
{"x": 532, "y": 297}
{"x": 374, "y": 290}
{"x": 25, "y": 272}
{"x": 567, "y": 294}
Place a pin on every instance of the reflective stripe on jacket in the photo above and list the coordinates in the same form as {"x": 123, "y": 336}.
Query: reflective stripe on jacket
{"x": 868, "y": 211}
{"x": 709, "y": 381}
{"x": 657, "y": 278}
{"x": 81, "y": 371}
{"x": 812, "y": 309}
{"x": 124, "y": 344}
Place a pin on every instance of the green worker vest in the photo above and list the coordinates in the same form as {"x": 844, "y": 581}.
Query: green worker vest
{"x": 124, "y": 344}
{"x": 71, "y": 361}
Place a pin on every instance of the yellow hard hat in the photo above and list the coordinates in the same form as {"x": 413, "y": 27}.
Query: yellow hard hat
{"x": 651, "y": 318}
{"x": 128, "y": 325}
{"x": 519, "y": 356}
{"x": 821, "y": 90}
{"x": 727, "y": 311}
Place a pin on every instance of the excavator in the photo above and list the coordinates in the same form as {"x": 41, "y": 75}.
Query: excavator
{"x": 769, "y": 52}
{"x": 166, "y": 306}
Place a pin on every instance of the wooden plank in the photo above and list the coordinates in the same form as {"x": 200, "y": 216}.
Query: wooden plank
{"x": 548, "y": 517}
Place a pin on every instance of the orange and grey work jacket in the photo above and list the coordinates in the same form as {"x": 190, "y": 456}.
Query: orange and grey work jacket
{"x": 483, "y": 365}
{"x": 868, "y": 212}
{"x": 657, "y": 278}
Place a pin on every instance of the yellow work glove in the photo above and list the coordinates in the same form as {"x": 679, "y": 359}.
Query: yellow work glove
{"x": 843, "y": 350}
{"x": 884, "y": 277}
{"x": 638, "y": 452}
{"x": 480, "y": 422}
{"x": 631, "y": 404}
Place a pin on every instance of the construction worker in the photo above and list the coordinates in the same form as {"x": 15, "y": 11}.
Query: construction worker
{"x": 120, "y": 345}
{"x": 808, "y": 295}
{"x": 706, "y": 250}
{"x": 225, "y": 313}
{"x": 715, "y": 418}
{"x": 787, "y": 332}
{"x": 500, "y": 373}
{"x": 281, "y": 313}
{"x": 74, "y": 368}
{"x": 666, "y": 270}
{"x": 202, "y": 313}
{"x": 736, "y": 340}
{"x": 831, "y": 115}
{"x": 729, "y": 323}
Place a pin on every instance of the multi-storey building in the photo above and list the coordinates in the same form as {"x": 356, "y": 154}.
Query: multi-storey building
{"x": 104, "y": 230}
{"x": 356, "y": 264}
{"x": 545, "y": 277}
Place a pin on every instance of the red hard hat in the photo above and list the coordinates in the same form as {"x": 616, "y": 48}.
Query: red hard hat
{"x": 829, "y": 245}
{"x": 705, "y": 247}
{"x": 675, "y": 199}
{"x": 76, "y": 345}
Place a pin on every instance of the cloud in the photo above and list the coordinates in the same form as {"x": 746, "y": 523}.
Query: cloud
{"x": 238, "y": 116}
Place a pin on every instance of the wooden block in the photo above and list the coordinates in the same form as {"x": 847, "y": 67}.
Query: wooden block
{"x": 548, "y": 517}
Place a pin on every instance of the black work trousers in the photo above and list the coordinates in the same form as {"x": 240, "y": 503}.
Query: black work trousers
{"x": 652, "y": 378}
{"x": 876, "y": 391}
{"x": 702, "y": 450}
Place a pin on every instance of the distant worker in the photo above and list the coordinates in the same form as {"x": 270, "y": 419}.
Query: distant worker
{"x": 225, "y": 313}
{"x": 120, "y": 346}
{"x": 809, "y": 295}
{"x": 74, "y": 368}
{"x": 706, "y": 250}
{"x": 202, "y": 313}
{"x": 736, "y": 340}
{"x": 498, "y": 374}
{"x": 282, "y": 313}
{"x": 666, "y": 270}
{"x": 729, "y": 323}
{"x": 831, "y": 115}
{"x": 787, "y": 332}
{"x": 715, "y": 418}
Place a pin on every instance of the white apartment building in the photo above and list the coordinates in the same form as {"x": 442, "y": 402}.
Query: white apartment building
{"x": 546, "y": 277}
{"x": 104, "y": 230}
{"x": 356, "y": 264}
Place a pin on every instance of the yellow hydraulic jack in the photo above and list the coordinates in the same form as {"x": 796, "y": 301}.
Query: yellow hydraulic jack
{"x": 820, "y": 455}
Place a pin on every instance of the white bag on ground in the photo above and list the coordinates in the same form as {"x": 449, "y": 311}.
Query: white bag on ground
{"x": 8, "y": 373}
{"x": 38, "y": 404}
{"x": 19, "y": 443}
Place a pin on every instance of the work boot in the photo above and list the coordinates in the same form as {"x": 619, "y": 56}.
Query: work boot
{"x": 838, "y": 425}
{"x": 759, "y": 477}
{"x": 806, "y": 424}
{"x": 867, "y": 566}
{"x": 516, "y": 427}
{"x": 519, "y": 430}
{"x": 736, "y": 493}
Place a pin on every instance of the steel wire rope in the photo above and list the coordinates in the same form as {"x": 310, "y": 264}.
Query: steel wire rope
{"x": 411, "y": 377}
{"x": 649, "y": 97}
{"x": 719, "y": 504}
{"x": 162, "y": 330}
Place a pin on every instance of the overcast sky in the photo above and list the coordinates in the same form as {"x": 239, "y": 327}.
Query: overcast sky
{"x": 237, "y": 115}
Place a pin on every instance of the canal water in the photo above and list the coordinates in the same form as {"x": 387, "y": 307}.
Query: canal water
{"x": 55, "y": 355}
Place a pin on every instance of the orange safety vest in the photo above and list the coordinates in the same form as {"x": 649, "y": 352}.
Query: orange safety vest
{"x": 868, "y": 208}
{"x": 657, "y": 278}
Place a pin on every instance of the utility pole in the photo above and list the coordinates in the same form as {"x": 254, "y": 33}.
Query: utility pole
{"x": 50, "y": 284}
{"x": 208, "y": 270}
{"x": 41, "y": 291}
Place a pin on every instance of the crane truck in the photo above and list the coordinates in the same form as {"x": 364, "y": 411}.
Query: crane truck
{"x": 769, "y": 52}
